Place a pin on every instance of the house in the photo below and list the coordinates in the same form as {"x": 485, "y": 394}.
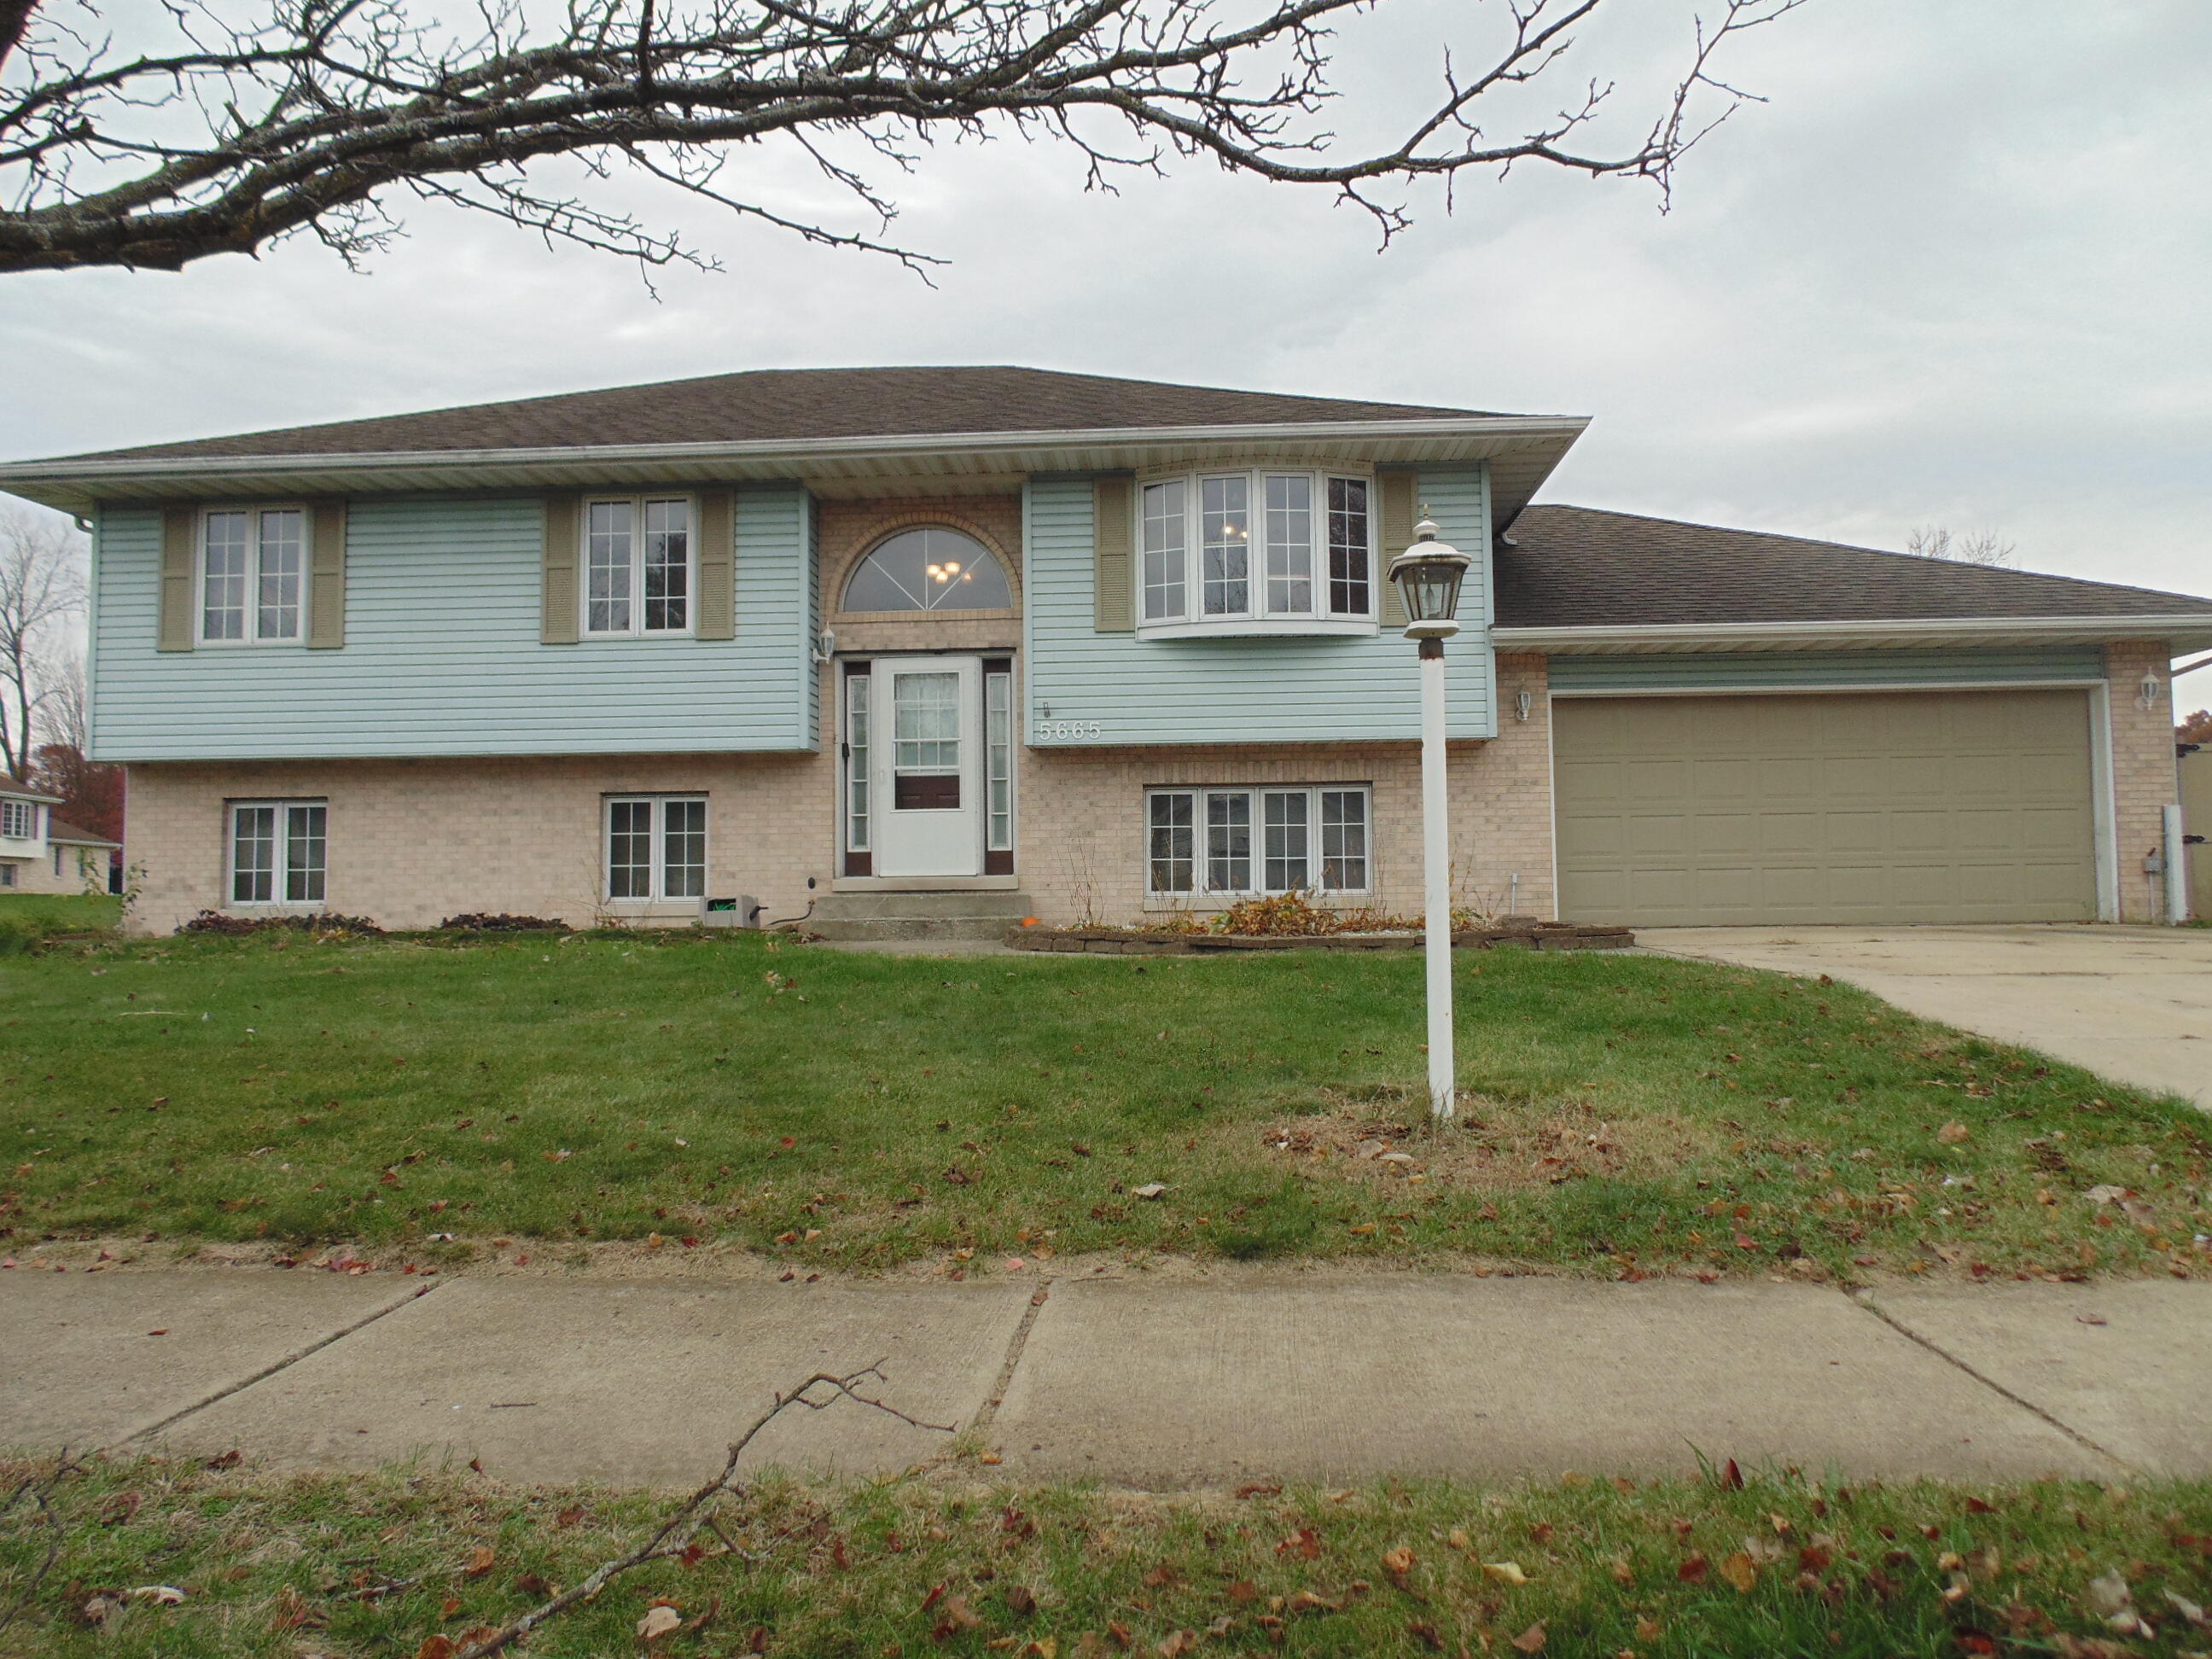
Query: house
{"x": 931, "y": 648}
{"x": 39, "y": 853}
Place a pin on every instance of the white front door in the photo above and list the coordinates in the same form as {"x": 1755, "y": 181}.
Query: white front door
{"x": 926, "y": 765}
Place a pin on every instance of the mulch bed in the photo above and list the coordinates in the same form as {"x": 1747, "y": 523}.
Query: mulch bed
{"x": 1526, "y": 932}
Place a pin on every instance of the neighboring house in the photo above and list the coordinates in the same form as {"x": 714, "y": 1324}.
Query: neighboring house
{"x": 39, "y": 853}
{"x": 964, "y": 643}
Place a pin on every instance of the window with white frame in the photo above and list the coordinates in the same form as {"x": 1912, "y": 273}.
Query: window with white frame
{"x": 656, "y": 846}
{"x": 1243, "y": 840}
{"x": 19, "y": 820}
{"x": 1233, "y": 547}
{"x": 279, "y": 851}
{"x": 638, "y": 566}
{"x": 253, "y": 575}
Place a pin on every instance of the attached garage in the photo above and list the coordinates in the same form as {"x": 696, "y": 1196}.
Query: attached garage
{"x": 1939, "y": 806}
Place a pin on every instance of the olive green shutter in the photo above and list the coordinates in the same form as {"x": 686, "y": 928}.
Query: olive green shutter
{"x": 1397, "y": 527}
{"x": 717, "y": 618}
{"x": 179, "y": 524}
{"x": 327, "y": 575}
{"x": 1113, "y": 609}
{"x": 557, "y": 613}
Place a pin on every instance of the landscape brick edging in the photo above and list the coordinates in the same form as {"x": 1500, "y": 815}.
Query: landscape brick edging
{"x": 1108, "y": 941}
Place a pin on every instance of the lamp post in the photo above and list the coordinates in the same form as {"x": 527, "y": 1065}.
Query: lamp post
{"x": 1428, "y": 574}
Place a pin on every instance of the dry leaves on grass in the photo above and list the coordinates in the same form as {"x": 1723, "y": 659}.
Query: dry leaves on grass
{"x": 1495, "y": 1143}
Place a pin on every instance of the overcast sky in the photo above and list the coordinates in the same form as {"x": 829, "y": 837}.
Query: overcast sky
{"x": 1954, "y": 272}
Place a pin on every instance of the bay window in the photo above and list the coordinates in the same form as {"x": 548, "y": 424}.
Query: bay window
{"x": 1255, "y": 552}
{"x": 1239, "y": 842}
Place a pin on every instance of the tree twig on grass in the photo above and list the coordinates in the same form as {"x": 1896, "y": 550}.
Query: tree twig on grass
{"x": 36, "y": 1488}
{"x": 695, "y": 1514}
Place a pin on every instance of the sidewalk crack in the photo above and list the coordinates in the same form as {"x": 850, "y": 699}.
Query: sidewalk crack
{"x": 1993, "y": 1386}
{"x": 271, "y": 1370}
{"x": 988, "y": 1411}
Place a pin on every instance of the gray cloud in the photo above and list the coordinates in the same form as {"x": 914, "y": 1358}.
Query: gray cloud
{"x": 1952, "y": 273}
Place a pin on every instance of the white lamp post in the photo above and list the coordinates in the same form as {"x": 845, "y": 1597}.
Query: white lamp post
{"x": 1428, "y": 574}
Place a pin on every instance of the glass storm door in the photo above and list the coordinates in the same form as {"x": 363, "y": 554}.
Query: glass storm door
{"x": 926, "y": 765}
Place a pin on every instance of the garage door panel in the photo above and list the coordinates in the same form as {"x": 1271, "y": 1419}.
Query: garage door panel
{"x": 1939, "y": 806}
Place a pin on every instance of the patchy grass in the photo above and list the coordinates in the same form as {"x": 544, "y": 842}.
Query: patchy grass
{"x": 27, "y": 919}
{"x": 272, "y": 1564}
{"x": 1626, "y": 1113}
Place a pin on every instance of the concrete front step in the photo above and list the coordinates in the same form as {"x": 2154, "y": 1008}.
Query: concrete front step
{"x": 984, "y": 913}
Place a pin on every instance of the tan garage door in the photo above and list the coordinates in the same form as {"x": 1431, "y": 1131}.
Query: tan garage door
{"x": 1897, "y": 807}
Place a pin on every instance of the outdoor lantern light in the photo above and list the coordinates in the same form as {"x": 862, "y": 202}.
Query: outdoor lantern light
{"x": 1428, "y": 574}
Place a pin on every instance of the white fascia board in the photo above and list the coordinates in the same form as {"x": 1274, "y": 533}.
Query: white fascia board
{"x": 19, "y": 792}
{"x": 762, "y": 458}
{"x": 2186, "y": 630}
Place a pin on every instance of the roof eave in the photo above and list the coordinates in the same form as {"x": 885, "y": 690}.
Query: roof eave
{"x": 2183, "y": 630}
{"x": 74, "y": 486}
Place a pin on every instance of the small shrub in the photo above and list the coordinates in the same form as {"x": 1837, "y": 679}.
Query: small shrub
{"x": 483, "y": 921}
{"x": 1284, "y": 914}
{"x": 321, "y": 923}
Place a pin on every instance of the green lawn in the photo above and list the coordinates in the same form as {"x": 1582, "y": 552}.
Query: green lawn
{"x": 1626, "y": 1113}
{"x": 26, "y": 918}
{"x": 273, "y": 1566}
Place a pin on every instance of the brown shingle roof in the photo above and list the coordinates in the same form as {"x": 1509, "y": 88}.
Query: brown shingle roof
{"x": 57, "y": 830}
{"x": 1579, "y": 566}
{"x": 782, "y": 403}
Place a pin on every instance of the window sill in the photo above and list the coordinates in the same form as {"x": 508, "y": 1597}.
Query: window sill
{"x": 1262, "y": 628}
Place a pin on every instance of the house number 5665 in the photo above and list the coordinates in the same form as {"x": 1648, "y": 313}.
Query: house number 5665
{"x": 1069, "y": 730}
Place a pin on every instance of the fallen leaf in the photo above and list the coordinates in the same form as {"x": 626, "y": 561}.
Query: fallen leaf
{"x": 1952, "y": 1133}
{"x": 2089, "y": 1319}
{"x": 1177, "y": 1643}
{"x": 570, "y": 1516}
{"x": 437, "y": 1647}
{"x": 162, "y": 1595}
{"x": 480, "y": 1561}
{"x": 1243, "y": 1590}
{"x": 1693, "y": 1568}
{"x": 2110, "y": 1594}
{"x": 1740, "y": 1572}
{"x": 1307, "y": 1601}
{"x": 1397, "y": 1563}
{"x": 1259, "y": 1489}
{"x": 1532, "y": 1639}
{"x": 1622, "y": 1572}
{"x": 230, "y": 1460}
{"x": 657, "y": 1623}
{"x": 1648, "y": 1629}
{"x": 1506, "y": 1572}
{"x": 1731, "y": 1477}
{"x": 1150, "y": 1189}
{"x": 1459, "y": 1539}
{"x": 1021, "y": 1598}
{"x": 1303, "y": 1545}
{"x": 957, "y": 1616}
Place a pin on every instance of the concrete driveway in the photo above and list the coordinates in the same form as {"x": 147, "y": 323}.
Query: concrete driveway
{"x": 2130, "y": 1003}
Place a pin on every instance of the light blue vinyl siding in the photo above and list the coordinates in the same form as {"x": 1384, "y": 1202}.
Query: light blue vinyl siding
{"x": 1762, "y": 670}
{"x": 1291, "y": 689}
{"x": 441, "y": 652}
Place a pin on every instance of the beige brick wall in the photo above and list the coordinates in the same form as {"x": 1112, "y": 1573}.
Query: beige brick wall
{"x": 1081, "y": 836}
{"x": 412, "y": 842}
{"x": 2145, "y": 780}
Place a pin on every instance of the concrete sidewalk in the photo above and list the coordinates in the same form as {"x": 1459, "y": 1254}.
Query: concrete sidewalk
{"x": 1205, "y": 1380}
{"x": 2132, "y": 1003}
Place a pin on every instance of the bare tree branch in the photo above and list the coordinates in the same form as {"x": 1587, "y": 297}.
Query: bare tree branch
{"x": 308, "y": 120}
{"x": 695, "y": 1514}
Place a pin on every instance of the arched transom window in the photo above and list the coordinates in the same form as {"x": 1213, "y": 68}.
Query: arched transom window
{"x": 932, "y": 568}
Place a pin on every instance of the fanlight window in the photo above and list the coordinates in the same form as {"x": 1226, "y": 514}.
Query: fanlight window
{"x": 931, "y": 569}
